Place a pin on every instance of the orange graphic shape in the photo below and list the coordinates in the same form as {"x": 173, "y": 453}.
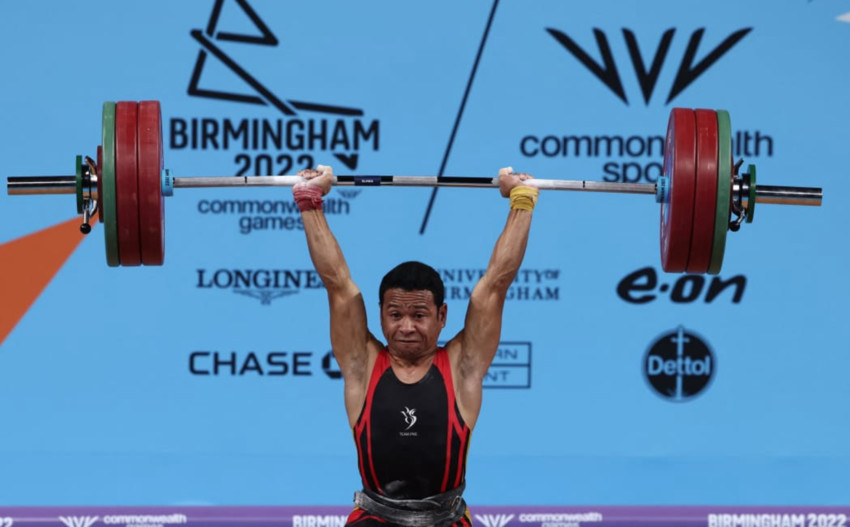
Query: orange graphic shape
{"x": 28, "y": 264}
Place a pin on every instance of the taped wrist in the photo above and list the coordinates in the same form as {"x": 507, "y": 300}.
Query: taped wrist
{"x": 308, "y": 197}
{"x": 524, "y": 198}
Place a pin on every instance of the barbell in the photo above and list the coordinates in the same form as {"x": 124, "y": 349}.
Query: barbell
{"x": 700, "y": 188}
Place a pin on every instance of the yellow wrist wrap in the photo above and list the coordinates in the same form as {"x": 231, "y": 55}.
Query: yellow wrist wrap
{"x": 524, "y": 198}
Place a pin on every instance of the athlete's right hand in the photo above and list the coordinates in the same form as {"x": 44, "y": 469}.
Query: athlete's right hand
{"x": 322, "y": 177}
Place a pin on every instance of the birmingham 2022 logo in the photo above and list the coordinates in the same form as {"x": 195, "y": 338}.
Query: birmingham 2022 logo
{"x": 264, "y": 146}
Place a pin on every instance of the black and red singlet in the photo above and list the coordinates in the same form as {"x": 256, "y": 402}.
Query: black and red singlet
{"x": 411, "y": 439}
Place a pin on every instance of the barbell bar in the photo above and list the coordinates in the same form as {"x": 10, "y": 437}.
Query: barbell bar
{"x": 27, "y": 185}
{"x": 700, "y": 188}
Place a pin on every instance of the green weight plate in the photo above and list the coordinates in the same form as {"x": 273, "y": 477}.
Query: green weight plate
{"x": 724, "y": 190}
{"x": 99, "y": 172}
{"x": 751, "y": 204}
{"x": 79, "y": 184}
{"x": 110, "y": 212}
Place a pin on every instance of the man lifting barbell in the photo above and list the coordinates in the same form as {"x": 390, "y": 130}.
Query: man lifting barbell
{"x": 411, "y": 403}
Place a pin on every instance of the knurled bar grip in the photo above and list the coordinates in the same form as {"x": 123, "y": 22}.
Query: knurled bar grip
{"x": 416, "y": 181}
{"x": 66, "y": 185}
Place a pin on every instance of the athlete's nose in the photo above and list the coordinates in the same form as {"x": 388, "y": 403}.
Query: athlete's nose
{"x": 407, "y": 324}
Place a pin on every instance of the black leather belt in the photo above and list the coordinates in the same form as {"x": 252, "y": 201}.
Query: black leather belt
{"x": 442, "y": 509}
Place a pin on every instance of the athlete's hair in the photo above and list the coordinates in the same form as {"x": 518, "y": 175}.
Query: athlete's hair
{"x": 414, "y": 276}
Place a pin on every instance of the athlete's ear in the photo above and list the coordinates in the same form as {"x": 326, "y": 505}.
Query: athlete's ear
{"x": 442, "y": 314}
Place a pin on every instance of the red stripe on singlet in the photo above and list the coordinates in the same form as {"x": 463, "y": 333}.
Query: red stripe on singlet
{"x": 461, "y": 462}
{"x": 455, "y": 424}
{"x": 357, "y": 432}
{"x": 371, "y": 459}
{"x": 381, "y": 364}
{"x": 359, "y": 515}
{"x": 442, "y": 363}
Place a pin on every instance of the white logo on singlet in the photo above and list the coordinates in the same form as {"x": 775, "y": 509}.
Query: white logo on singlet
{"x": 409, "y": 417}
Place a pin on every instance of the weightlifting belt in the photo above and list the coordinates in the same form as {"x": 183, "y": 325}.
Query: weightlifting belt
{"x": 442, "y": 509}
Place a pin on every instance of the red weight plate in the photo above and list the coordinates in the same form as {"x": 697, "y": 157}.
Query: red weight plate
{"x": 677, "y": 211}
{"x": 99, "y": 184}
{"x": 126, "y": 183}
{"x": 705, "y": 197}
{"x": 151, "y": 204}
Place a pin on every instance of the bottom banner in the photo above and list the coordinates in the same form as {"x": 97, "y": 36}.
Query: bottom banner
{"x": 485, "y": 516}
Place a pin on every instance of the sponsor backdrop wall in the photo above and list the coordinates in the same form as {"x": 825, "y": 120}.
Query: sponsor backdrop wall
{"x": 209, "y": 380}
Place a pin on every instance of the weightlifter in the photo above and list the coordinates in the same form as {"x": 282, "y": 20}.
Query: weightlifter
{"x": 411, "y": 404}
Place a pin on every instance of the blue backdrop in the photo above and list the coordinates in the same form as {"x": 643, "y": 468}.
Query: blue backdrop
{"x": 182, "y": 385}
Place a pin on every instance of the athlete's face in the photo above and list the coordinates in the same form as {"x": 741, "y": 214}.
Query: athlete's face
{"x": 411, "y": 322}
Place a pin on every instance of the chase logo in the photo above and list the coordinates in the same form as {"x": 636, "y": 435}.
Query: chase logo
{"x": 679, "y": 365}
{"x": 330, "y": 366}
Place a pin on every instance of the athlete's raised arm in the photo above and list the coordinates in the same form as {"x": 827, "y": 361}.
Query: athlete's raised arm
{"x": 475, "y": 346}
{"x": 353, "y": 345}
